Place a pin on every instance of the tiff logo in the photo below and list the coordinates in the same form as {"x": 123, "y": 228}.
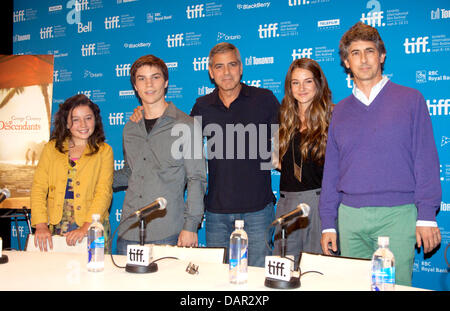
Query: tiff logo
{"x": 200, "y": 63}
{"x": 88, "y": 49}
{"x": 123, "y": 70}
{"x": 438, "y": 107}
{"x": 373, "y": 18}
{"x": 301, "y": 53}
{"x": 298, "y": 2}
{"x": 118, "y": 214}
{"x": 20, "y": 229}
{"x": 255, "y": 83}
{"x": 112, "y": 22}
{"x": 116, "y": 118}
{"x": 46, "y": 32}
{"x": 81, "y": 5}
{"x": 56, "y": 75}
{"x": 417, "y": 45}
{"x": 276, "y": 268}
{"x": 18, "y": 16}
{"x": 195, "y": 11}
{"x": 174, "y": 41}
{"x": 118, "y": 164}
{"x": 85, "y": 93}
{"x": 268, "y": 31}
{"x": 349, "y": 81}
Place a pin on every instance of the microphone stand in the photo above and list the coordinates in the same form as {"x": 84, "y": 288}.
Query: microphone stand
{"x": 294, "y": 282}
{"x": 152, "y": 267}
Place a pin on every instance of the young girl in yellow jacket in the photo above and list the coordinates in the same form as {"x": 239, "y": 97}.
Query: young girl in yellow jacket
{"x": 73, "y": 179}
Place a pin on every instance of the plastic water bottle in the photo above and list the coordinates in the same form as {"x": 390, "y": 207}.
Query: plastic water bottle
{"x": 96, "y": 245}
{"x": 383, "y": 267}
{"x": 238, "y": 254}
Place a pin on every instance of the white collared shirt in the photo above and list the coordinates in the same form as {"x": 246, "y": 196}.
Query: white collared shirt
{"x": 373, "y": 92}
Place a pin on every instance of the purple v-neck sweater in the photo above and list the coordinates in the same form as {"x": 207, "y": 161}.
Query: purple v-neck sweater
{"x": 383, "y": 154}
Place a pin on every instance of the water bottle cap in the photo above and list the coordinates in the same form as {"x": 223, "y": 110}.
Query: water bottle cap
{"x": 383, "y": 241}
{"x": 239, "y": 223}
{"x": 95, "y": 217}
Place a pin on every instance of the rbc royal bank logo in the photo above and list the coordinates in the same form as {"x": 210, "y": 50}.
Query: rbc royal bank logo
{"x": 416, "y": 45}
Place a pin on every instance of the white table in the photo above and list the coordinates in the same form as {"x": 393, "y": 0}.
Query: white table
{"x": 32, "y": 271}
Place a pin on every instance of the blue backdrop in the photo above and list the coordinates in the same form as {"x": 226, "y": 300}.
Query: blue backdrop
{"x": 94, "y": 43}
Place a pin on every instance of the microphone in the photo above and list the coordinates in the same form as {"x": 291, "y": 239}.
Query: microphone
{"x": 302, "y": 210}
{"x": 158, "y": 204}
{"x": 4, "y": 194}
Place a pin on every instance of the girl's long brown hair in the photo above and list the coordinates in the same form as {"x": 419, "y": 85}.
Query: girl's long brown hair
{"x": 60, "y": 131}
{"x": 317, "y": 115}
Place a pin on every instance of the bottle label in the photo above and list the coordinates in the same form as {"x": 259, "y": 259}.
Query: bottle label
{"x": 383, "y": 276}
{"x": 236, "y": 261}
{"x": 97, "y": 243}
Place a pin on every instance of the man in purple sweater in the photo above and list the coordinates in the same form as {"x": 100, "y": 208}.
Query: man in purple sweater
{"x": 381, "y": 174}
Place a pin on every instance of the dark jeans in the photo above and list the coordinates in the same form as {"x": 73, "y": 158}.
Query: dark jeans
{"x": 220, "y": 226}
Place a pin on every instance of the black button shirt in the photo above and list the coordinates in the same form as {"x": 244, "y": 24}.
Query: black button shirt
{"x": 236, "y": 182}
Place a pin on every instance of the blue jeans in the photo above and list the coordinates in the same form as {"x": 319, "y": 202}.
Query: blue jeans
{"x": 122, "y": 243}
{"x": 218, "y": 228}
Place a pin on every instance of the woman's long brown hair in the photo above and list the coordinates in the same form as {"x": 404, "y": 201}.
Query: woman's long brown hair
{"x": 317, "y": 115}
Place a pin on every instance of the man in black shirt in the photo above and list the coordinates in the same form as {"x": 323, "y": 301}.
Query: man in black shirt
{"x": 239, "y": 158}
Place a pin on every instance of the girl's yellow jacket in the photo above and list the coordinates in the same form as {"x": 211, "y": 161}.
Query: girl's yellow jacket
{"x": 92, "y": 186}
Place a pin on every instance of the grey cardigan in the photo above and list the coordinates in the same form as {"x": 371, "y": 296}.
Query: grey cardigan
{"x": 163, "y": 163}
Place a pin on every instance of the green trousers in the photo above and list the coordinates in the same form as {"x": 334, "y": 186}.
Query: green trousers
{"x": 359, "y": 229}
